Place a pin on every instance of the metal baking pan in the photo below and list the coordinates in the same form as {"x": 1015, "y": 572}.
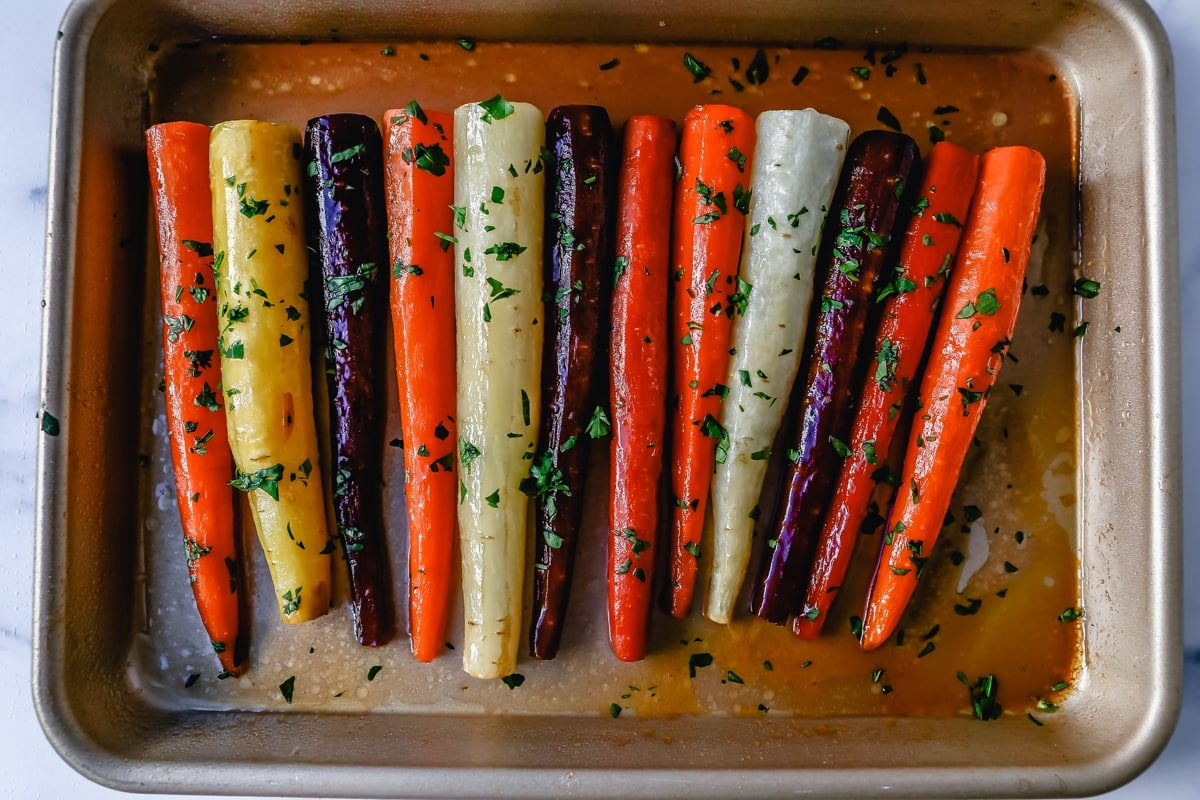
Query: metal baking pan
{"x": 112, "y": 638}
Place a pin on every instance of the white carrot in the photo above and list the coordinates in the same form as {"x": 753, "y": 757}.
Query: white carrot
{"x": 796, "y": 165}
{"x": 499, "y": 210}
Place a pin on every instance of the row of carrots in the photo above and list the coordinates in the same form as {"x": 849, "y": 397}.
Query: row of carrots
{"x": 715, "y": 267}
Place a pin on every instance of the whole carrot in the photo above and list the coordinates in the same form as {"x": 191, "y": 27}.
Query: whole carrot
{"x": 178, "y": 155}
{"x": 578, "y": 245}
{"x": 867, "y": 208}
{"x": 910, "y": 300}
{"x": 638, "y": 375}
{"x": 712, "y": 198}
{"x": 261, "y": 268}
{"x": 419, "y": 183}
{"x": 973, "y": 334}
{"x": 344, "y": 187}
{"x": 499, "y": 188}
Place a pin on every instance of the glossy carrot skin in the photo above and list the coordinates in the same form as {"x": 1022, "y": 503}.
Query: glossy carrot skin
{"x": 867, "y": 209}
{"x": 200, "y": 453}
{"x": 500, "y": 189}
{"x": 261, "y": 268}
{"x": 345, "y": 191}
{"x": 578, "y": 255}
{"x": 973, "y": 334}
{"x": 911, "y": 300}
{"x": 711, "y": 202}
{"x": 638, "y": 375}
{"x": 419, "y": 183}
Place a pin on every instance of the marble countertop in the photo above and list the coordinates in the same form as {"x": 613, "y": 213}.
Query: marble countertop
{"x": 29, "y": 768}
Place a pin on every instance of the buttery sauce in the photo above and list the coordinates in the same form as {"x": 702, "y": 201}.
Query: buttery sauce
{"x": 1003, "y": 571}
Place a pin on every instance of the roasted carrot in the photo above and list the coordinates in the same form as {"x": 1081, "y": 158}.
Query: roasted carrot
{"x": 911, "y": 299}
{"x": 344, "y": 189}
{"x": 499, "y": 193}
{"x": 867, "y": 209}
{"x": 638, "y": 375}
{"x": 578, "y": 246}
{"x": 797, "y": 160}
{"x": 712, "y": 199}
{"x": 203, "y": 463}
{"x": 419, "y": 182}
{"x": 973, "y": 334}
{"x": 261, "y": 268}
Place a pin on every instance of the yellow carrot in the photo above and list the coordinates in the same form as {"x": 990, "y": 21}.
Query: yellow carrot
{"x": 261, "y": 265}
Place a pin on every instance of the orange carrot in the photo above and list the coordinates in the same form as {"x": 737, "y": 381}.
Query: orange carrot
{"x": 711, "y": 202}
{"x": 419, "y": 184}
{"x": 179, "y": 183}
{"x": 912, "y": 297}
{"x": 640, "y": 352}
{"x": 973, "y": 334}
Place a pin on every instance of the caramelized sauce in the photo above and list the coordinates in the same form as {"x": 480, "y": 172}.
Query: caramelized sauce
{"x": 1011, "y": 547}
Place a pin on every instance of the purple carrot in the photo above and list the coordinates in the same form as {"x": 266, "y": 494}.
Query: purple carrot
{"x": 344, "y": 174}
{"x": 869, "y": 209}
{"x": 578, "y": 260}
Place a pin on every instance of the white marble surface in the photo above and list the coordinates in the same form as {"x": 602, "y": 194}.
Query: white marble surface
{"x": 29, "y": 768}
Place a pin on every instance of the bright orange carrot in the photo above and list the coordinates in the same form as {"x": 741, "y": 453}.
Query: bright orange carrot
{"x": 178, "y": 155}
{"x": 640, "y": 352}
{"x": 912, "y": 297}
{"x": 973, "y": 334}
{"x": 419, "y": 184}
{"x": 712, "y": 198}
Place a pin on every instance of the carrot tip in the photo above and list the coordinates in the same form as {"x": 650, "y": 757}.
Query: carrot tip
{"x": 806, "y": 629}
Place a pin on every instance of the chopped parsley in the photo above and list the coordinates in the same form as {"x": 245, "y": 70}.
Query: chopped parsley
{"x": 50, "y": 424}
{"x": 983, "y": 696}
{"x": 340, "y": 289}
{"x": 985, "y": 304}
{"x": 545, "y": 478}
{"x": 758, "y": 69}
{"x": 467, "y": 453}
{"x": 431, "y": 158}
{"x": 1086, "y": 288}
{"x": 888, "y": 118}
{"x": 698, "y": 661}
{"x": 698, "y": 68}
{"x": 202, "y": 249}
{"x": 599, "y": 425}
{"x": 505, "y": 251}
{"x": 496, "y": 108}
{"x": 266, "y": 479}
{"x": 840, "y": 447}
{"x": 713, "y": 429}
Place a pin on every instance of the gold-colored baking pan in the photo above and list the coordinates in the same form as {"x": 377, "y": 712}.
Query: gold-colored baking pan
{"x": 116, "y": 639}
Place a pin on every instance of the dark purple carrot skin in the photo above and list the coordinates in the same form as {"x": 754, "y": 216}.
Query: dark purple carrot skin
{"x": 863, "y": 226}
{"x": 578, "y": 262}
{"x": 344, "y": 157}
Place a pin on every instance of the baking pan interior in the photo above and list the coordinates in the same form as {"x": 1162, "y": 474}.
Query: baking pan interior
{"x": 101, "y": 346}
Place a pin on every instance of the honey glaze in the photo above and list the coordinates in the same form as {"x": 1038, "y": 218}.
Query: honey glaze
{"x": 1005, "y": 567}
